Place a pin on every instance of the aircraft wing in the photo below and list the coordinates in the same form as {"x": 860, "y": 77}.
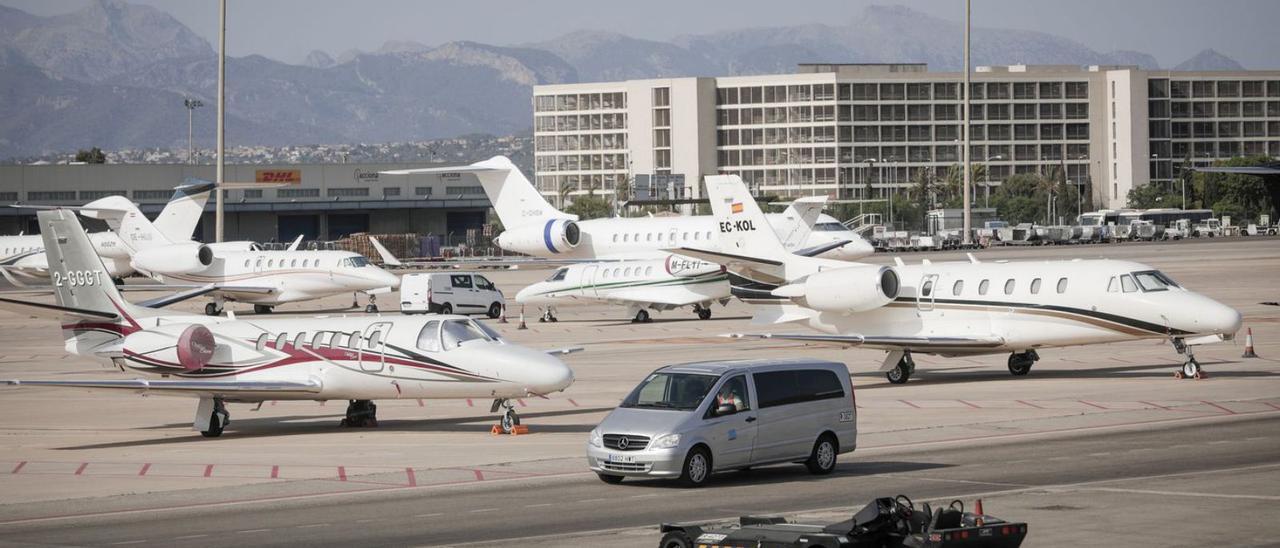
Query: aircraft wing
{"x": 652, "y": 296}
{"x": 257, "y": 290}
{"x": 184, "y": 387}
{"x": 881, "y": 341}
{"x": 726, "y": 259}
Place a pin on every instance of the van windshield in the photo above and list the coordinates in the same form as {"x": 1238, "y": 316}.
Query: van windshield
{"x": 678, "y": 391}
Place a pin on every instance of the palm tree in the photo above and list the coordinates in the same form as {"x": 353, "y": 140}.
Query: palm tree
{"x": 565, "y": 188}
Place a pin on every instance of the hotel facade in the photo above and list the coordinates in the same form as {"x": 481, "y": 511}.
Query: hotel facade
{"x": 864, "y": 130}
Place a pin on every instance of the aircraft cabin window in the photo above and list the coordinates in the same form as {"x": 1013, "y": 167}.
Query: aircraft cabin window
{"x": 659, "y": 236}
{"x": 1062, "y": 285}
{"x": 1151, "y": 281}
{"x": 300, "y": 340}
{"x": 626, "y": 238}
{"x": 456, "y": 332}
{"x": 926, "y": 289}
{"x": 319, "y": 340}
{"x": 461, "y": 280}
{"x": 708, "y": 234}
{"x": 374, "y": 339}
{"x": 982, "y": 287}
{"x": 429, "y": 337}
{"x": 1008, "y": 287}
{"x": 1035, "y": 286}
{"x": 354, "y": 343}
{"x": 957, "y": 288}
{"x": 627, "y": 272}
{"x": 697, "y": 235}
{"x": 615, "y": 238}
{"x": 293, "y": 263}
{"x": 648, "y": 271}
{"x": 648, "y": 237}
{"x": 684, "y": 237}
{"x": 282, "y": 340}
{"x": 271, "y": 263}
{"x": 637, "y": 237}
{"x": 339, "y": 340}
{"x": 246, "y": 263}
{"x": 1126, "y": 283}
{"x": 1112, "y": 286}
{"x": 262, "y": 341}
{"x": 259, "y": 263}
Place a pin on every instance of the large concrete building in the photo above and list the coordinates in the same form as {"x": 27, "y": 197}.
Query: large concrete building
{"x": 840, "y": 130}
{"x": 320, "y": 201}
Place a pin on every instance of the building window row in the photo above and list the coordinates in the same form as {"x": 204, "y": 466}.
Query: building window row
{"x": 604, "y": 141}
{"x": 1159, "y": 88}
{"x": 580, "y": 101}
{"x": 580, "y": 122}
{"x": 585, "y": 162}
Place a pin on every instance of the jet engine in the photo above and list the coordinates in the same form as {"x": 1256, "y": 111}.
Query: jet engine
{"x": 156, "y": 348}
{"x": 553, "y": 236}
{"x": 183, "y": 258}
{"x": 853, "y": 289}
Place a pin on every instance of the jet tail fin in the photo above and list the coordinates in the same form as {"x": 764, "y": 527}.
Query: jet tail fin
{"x": 178, "y": 219}
{"x": 747, "y": 238}
{"x": 514, "y": 198}
{"x": 387, "y": 257}
{"x": 80, "y": 281}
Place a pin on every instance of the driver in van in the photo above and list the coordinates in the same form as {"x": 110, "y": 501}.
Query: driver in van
{"x": 731, "y": 392}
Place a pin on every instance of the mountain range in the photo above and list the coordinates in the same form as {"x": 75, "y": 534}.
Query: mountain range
{"x": 114, "y": 75}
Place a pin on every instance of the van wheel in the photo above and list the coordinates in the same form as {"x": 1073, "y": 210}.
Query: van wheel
{"x": 446, "y": 308}
{"x": 822, "y": 460}
{"x": 610, "y": 479}
{"x": 676, "y": 539}
{"x": 495, "y": 310}
{"x": 697, "y": 467}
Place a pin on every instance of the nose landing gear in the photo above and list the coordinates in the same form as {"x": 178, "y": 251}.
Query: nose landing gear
{"x": 510, "y": 420}
{"x": 1191, "y": 367}
{"x": 548, "y": 315}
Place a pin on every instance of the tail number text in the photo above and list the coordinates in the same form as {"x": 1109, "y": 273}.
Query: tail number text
{"x": 737, "y": 226}
{"x": 77, "y": 278}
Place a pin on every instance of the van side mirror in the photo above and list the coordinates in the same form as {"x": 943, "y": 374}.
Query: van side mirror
{"x": 725, "y": 409}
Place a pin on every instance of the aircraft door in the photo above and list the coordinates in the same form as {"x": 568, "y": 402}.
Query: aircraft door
{"x": 373, "y": 356}
{"x": 588, "y": 280}
{"x": 926, "y": 291}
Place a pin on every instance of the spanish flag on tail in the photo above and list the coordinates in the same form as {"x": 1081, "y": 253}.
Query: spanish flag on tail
{"x": 737, "y": 207}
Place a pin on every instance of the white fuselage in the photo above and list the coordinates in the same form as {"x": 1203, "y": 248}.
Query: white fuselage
{"x": 344, "y": 357}
{"x": 23, "y": 256}
{"x": 1034, "y": 304}
{"x": 653, "y": 237}
{"x": 290, "y": 275}
{"x": 658, "y": 283}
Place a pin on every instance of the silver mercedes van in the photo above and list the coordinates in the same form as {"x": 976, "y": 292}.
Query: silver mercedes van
{"x": 687, "y": 421}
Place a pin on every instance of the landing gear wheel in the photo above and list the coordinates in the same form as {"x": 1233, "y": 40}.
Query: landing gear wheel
{"x": 549, "y": 315}
{"x": 1190, "y": 370}
{"x": 703, "y": 313}
{"x": 495, "y": 310}
{"x": 1020, "y": 363}
{"x": 900, "y": 374}
{"x": 360, "y": 414}
{"x": 218, "y": 421}
{"x": 261, "y": 309}
{"x": 610, "y": 479}
{"x": 371, "y": 308}
{"x": 446, "y": 308}
{"x": 822, "y": 460}
{"x": 642, "y": 316}
{"x": 697, "y": 467}
{"x": 510, "y": 420}
{"x": 211, "y": 309}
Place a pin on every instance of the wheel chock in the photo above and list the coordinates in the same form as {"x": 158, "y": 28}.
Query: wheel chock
{"x": 1178, "y": 375}
{"x": 1201, "y": 375}
{"x": 516, "y": 430}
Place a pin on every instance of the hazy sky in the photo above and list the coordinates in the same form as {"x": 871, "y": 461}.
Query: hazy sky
{"x": 1171, "y": 30}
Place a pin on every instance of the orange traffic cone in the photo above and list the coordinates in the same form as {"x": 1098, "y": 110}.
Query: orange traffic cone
{"x": 1248, "y": 344}
{"x": 522, "y": 325}
{"x": 978, "y": 513}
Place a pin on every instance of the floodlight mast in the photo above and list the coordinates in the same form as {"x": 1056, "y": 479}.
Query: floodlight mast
{"x": 968, "y": 239}
{"x": 192, "y": 105}
{"x": 222, "y": 99}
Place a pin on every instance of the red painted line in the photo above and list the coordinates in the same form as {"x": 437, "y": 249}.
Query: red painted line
{"x": 413, "y": 478}
{"x": 521, "y": 401}
{"x": 479, "y": 475}
{"x": 469, "y": 404}
{"x": 910, "y": 404}
{"x": 1156, "y": 405}
{"x": 144, "y": 469}
{"x": 342, "y": 473}
{"x": 1028, "y": 404}
{"x": 971, "y": 405}
{"x": 273, "y": 403}
{"x": 1091, "y": 404}
{"x": 275, "y": 472}
{"x": 420, "y": 404}
{"x": 1224, "y": 409}
{"x": 80, "y": 470}
{"x": 208, "y": 470}
{"x": 17, "y": 468}
{"x": 573, "y": 403}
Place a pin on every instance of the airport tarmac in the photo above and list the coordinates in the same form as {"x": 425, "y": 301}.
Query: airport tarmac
{"x": 1097, "y": 445}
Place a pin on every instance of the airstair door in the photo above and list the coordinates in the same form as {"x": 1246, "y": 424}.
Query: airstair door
{"x": 372, "y": 348}
{"x": 926, "y": 291}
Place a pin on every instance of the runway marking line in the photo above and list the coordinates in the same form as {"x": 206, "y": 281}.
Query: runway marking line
{"x": 18, "y": 468}
{"x": 1185, "y": 494}
{"x": 145, "y": 467}
{"x": 1224, "y": 409}
{"x": 573, "y": 403}
{"x": 413, "y": 479}
{"x": 342, "y": 473}
{"x": 479, "y": 475}
{"x": 80, "y": 470}
{"x": 1273, "y": 406}
{"x": 971, "y": 405}
{"x": 1091, "y": 404}
{"x": 912, "y": 405}
{"x": 208, "y": 470}
{"x": 275, "y": 471}
{"x": 1028, "y": 404}
{"x": 1156, "y": 405}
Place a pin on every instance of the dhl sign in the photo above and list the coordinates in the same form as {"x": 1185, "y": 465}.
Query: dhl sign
{"x": 290, "y": 176}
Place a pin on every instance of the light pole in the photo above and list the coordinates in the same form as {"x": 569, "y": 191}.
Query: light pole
{"x": 964, "y": 127}
{"x": 192, "y": 105}
{"x": 218, "y": 223}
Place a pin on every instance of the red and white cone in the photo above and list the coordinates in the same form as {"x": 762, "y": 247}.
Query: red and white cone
{"x": 978, "y": 513}
{"x": 1248, "y": 344}
{"x": 522, "y": 325}
{"x": 502, "y": 318}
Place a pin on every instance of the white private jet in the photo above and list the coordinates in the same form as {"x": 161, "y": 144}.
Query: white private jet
{"x": 222, "y": 359}
{"x": 637, "y": 247}
{"x": 243, "y": 272}
{"x": 22, "y": 259}
{"x": 956, "y": 309}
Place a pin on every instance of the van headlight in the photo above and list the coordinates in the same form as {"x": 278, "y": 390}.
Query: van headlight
{"x": 595, "y": 439}
{"x": 667, "y": 442}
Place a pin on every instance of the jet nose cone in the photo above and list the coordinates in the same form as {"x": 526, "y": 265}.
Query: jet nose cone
{"x": 548, "y": 375}
{"x": 1228, "y": 320}
{"x": 531, "y": 295}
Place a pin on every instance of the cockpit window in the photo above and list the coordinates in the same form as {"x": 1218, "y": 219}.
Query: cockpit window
{"x": 1153, "y": 280}
{"x": 354, "y": 262}
{"x": 429, "y": 337}
{"x": 1126, "y": 283}
{"x": 456, "y": 332}
{"x": 493, "y": 335}
{"x": 829, "y": 227}
{"x": 558, "y": 275}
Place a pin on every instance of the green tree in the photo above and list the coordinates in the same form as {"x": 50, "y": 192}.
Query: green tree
{"x": 91, "y": 156}
{"x": 1243, "y": 197}
{"x": 1021, "y": 198}
{"x": 590, "y": 207}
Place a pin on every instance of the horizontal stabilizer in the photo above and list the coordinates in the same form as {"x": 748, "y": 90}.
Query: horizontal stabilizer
{"x": 779, "y": 314}
{"x": 820, "y": 249}
{"x": 48, "y": 310}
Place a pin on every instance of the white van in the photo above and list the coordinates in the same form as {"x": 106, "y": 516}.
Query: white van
{"x": 688, "y": 421}
{"x": 450, "y": 293}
